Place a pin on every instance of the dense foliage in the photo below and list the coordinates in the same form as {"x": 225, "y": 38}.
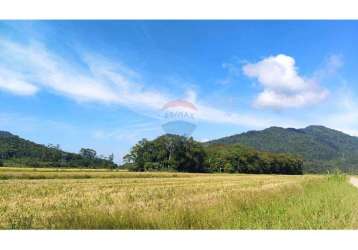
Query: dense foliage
{"x": 171, "y": 152}
{"x": 168, "y": 152}
{"x": 321, "y": 148}
{"x": 15, "y": 151}
{"x": 239, "y": 159}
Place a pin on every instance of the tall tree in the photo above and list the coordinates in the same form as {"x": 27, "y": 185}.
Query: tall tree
{"x": 88, "y": 153}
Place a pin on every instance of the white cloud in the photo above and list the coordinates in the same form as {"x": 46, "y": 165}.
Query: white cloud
{"x": 100, "y": 80}
{"x": 16, "y": 85}
{"x": 282, "y": 86}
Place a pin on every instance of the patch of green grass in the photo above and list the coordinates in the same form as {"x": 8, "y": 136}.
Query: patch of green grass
{"x": 330, "y": 203}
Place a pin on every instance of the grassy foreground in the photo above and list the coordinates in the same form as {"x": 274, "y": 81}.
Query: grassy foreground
{"x": 88, "y": 199}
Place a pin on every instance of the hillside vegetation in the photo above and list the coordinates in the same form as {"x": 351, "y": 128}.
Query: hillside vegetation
{"x": 15, "y": 151}
{"x": 237, "y": 158}
{"x": 321, "y": 148}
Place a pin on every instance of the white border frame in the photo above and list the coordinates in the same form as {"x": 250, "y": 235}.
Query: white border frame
{"x": 178, "y": 9}
{"x": 178, "y": 240}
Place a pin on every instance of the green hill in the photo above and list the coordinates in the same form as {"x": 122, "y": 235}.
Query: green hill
{"x": 15, "y": 151}
{"x": 321, "y": 148}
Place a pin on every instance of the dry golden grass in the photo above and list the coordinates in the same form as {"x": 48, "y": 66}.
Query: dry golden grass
{"x": 81, "y": 199}
{"x": 72, "y": 173}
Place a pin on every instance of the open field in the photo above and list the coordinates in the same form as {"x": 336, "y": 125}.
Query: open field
{"x": 92, "y": 199}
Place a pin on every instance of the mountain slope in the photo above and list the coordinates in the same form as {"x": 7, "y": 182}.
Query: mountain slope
{"x": 322, "y": 148}
{"x": 17, "y": 151}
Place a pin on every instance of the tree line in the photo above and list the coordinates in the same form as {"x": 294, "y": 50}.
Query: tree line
{"x": 86, "y": 158}
{"x": 178, "y": 153}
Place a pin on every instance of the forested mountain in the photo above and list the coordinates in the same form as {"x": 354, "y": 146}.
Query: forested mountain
{"x": 321, "y": 148}
{"x": 178, "y": 153}
{"x": 15, "y": 151}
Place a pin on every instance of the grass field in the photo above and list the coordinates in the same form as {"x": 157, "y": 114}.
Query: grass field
{"x": 99, "y": 199}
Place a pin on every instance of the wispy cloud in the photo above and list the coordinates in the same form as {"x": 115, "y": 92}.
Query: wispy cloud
{"x": 32, "y": 67}
{"x": 232, "y": 72}
{"x": 330, "y": 67}
{"x": 343, "y": 113}
{"x": 14, "y": 83}
{"x": 132, "y": 133}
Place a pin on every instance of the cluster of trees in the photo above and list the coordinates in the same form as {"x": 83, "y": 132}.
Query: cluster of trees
{"x": 17, "y": 151}
{"x": 169, "y": 153}
{"x": 177, "y": 153}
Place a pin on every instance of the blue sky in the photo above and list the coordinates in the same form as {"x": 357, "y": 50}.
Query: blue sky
{"x": 102, "y": 84}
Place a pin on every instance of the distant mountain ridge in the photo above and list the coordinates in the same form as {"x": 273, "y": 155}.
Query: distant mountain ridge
{"x": 16, "y": 151}
{"x": 322, "y": 148}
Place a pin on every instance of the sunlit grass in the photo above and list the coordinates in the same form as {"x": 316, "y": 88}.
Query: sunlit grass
{"x": 125, "y": 200}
